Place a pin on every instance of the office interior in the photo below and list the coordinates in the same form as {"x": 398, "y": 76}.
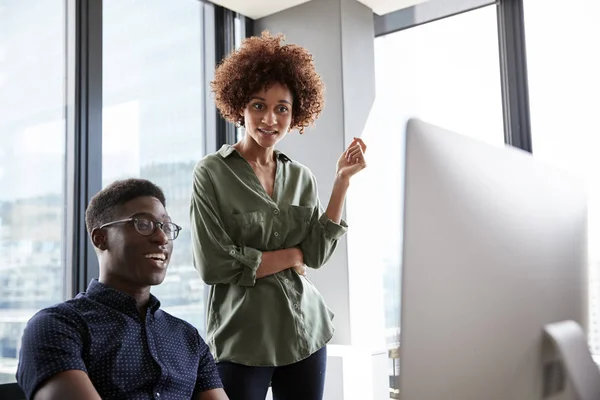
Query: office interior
{"x": 97, "y": 90}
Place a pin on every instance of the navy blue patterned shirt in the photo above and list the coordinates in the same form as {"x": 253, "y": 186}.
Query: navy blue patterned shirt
{"x": 101, "y": 333}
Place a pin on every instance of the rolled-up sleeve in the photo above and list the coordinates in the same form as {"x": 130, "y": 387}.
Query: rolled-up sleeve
{"x": 322, "y": 238}
{"x": 52, "y": 343}
{"x": 216, "y": 257}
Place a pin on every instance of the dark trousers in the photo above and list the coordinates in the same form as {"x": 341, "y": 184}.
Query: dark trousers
{"x": 303, "y": 380}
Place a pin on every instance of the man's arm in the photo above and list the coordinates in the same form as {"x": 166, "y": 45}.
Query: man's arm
{"x": 73, "y": 384}
{"x": 208, "y": 381}
{"x": 52, "y": 344}
{"x": 213, "y": 394}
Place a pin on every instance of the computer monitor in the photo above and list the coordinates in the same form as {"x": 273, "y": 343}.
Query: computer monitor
{"x": 494, "y": 249}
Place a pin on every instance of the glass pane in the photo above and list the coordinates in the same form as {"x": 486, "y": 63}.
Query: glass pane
{"x": 152, "y": 120}
{"x": 563, "y": 91}
{"x": 32, "y": 162}
{"x": 447, "y": 73}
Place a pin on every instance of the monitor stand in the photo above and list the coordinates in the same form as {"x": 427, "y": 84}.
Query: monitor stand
{"x": 570, "y": 343}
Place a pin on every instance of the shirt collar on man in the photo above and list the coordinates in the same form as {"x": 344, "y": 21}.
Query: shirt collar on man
{"x": 226, "y": 150}
{"x": 116, "y": 299}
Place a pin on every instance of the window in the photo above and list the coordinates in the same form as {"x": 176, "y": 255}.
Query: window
{"x": 32, "y": 167}
{"x": 563, "y": 90}
{"x": 446, "y": 73}
{"x": 153, "y": 123}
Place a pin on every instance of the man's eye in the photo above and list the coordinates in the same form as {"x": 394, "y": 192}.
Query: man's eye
{"x": 144, "y": 224}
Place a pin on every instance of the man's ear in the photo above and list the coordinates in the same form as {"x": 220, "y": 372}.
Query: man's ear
{"x": 99, "y": 238}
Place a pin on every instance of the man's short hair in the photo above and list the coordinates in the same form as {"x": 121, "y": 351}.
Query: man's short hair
{"x": 102, "y": 207}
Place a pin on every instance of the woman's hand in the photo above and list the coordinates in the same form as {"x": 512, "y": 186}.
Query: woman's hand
{"x": 352, "y": 160}
{"x": 298, "y": 263}
{"x": 300, "y": 269}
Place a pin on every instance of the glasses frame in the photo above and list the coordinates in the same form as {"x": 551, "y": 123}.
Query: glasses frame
{"x": 157, "y": 224}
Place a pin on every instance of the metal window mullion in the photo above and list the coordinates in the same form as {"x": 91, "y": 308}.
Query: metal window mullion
{"x": 224, "y": 44}
{"x": 513, "y": 71}
{"x": 84, "y": 136}
{"x": 211, "y": 116}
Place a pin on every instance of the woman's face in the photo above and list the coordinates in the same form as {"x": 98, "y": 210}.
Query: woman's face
{"x": 268, "y": 115}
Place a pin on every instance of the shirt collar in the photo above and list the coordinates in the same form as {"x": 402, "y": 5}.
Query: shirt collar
{"x": 116, "y": 299}
{"x": 226, "y": 150}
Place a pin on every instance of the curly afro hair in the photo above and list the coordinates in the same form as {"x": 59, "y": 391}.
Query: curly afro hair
{"x": 261, "y": 62}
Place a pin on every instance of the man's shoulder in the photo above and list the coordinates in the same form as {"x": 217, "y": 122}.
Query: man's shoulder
{"x": 65, "y": 312}
{"x": 176, "y": 322}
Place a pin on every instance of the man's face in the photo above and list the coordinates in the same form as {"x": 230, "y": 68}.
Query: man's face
{"x": 130, "y": 257}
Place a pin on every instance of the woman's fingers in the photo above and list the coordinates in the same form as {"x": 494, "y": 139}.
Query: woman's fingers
{"x": 360, "y": 142}
{"x": 300, "y": 269}
{"x": 354, "y": 154}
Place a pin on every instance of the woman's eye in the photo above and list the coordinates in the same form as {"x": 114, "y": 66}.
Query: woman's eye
{"x": 257, "y": 106}
{"x": 282, "y": 109}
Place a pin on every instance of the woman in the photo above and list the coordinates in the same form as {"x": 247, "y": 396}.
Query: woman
{"x": 257, "y": 224}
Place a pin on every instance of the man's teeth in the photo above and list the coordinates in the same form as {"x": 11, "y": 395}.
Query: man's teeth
{"x": 159, "y": 256}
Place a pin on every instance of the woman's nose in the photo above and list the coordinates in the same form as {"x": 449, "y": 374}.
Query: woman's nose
{"x": 269, "y": 118}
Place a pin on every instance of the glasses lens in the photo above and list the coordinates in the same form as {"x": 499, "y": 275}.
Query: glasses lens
{"x": 171, "y": 230}
{"x": 144, "y": 226}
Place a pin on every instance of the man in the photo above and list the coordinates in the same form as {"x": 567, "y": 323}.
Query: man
{"x": 113, "y": 341}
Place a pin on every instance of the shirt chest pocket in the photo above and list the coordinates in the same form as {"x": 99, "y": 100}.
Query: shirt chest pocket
{"x": 247, "y": 229}
{"x": 300, "y": 218}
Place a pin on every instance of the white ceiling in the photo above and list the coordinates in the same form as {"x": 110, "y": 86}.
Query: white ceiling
{"x": 261, "y": 8}
{"x": 381, "y": 7}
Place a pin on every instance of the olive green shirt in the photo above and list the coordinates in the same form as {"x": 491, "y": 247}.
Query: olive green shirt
{"x": 279, "y": 319}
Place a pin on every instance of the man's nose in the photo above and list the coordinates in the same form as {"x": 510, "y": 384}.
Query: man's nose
{"x": 159, "y": 236}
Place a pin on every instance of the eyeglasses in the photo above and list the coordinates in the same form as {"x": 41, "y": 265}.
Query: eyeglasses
{"x": 147, "y": 227}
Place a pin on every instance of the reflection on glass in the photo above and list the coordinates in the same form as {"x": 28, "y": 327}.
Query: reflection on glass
{"x": 152, "y": 120}
{"x": 32, "y": 162}
{"x": 446, "y": 73}
{"x": 564, "y": 84}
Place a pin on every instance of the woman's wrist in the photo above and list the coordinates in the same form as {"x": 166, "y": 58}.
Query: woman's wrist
{"x": 296, "y": 256}
{"x": 341, "y": 180}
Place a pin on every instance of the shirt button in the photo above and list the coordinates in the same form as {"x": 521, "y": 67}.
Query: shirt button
{"x": 286, "y": 280}
{"x": 232, "y": 252}
{"x": 276, "y": 234}
{"x": 296, "y": 306}
{"x": 275, "y": 212}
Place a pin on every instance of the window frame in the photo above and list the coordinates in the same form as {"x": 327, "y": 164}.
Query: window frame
{"x": 511, "y": 46}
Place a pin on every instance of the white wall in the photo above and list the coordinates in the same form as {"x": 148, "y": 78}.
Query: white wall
{"x": 339, "y": 34}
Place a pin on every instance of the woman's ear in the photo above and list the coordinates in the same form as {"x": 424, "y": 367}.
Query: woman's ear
{"x": 99, "y": 238}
